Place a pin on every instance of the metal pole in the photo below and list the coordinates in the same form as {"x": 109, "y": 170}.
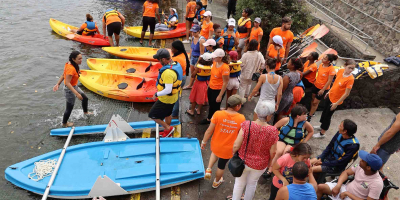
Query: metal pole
{"x": 157, "y": 162}
{"x": 53, "y": 176}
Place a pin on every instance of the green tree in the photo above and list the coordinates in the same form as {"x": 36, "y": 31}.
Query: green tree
{"x": 271, "y": 13}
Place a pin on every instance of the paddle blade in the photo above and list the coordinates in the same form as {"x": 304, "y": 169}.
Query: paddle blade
{"x": 70, "y": 36}
{"x": 306, "y": 31}
{"x": 309, "y": 49}
{"x": 328, "y": 51}
{"x": 323, "y": 30}
{"x": 313, "y": 30}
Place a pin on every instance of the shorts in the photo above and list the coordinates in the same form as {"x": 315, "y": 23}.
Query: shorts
{"x": 342, "y": 189}
{"x": 329, "y": 170}
{"x": 384, "y": 155}
{"x": 161, "y": 110}
{"x": 233, "y": 83}
{"x": 222, "y": 163}
{"x": 114, "y": 27}
{"x": 149, "y": 21}
{"x": 307, "y": 83}
{"x": 242, "y": 43}
{"x": 315, "y": 91}
{"x": 190, "y": 19}
{"x": 193, "y": 60}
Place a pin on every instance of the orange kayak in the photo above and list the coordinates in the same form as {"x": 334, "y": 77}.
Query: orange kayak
{"x": 119, "y": 86}
{"x": 136, "y": 31}
{"x": 130, "y": 67}
{"x": 134, "y": 53}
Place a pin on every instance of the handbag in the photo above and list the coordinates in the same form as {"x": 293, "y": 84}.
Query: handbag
{"x": 255, "y": 76}
{"x": 236, "y": 164}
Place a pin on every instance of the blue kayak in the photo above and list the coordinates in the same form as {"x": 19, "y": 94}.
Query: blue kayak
{"x": 129, "y": 164}
{"x": 82, "y": 130}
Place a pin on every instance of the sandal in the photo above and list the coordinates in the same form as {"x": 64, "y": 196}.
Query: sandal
{"x": 215, "y": 184}
{"x": 187, "y": 112}
{"x": 230, "y": 197}
{"x": 208, "y": 174}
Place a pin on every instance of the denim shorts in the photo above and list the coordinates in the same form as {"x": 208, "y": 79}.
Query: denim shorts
{"x": 384, "y": 155}
{"x": 193, "y": 60}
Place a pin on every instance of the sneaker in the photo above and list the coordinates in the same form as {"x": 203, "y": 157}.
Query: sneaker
{"x": 318, "y": 135}
{"x": 308, "y": 118}
{"x": 317, "y": 128}
{"x": 208, "y": 174}
{"x": 167, "y": 133}
{"x": 204, "y": 121}
{"x": 215, "y": 185}
{"x": 185, "y": 42}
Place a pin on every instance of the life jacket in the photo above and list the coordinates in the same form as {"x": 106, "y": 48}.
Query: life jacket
{"x": 110, "y": 12}
{"x": 205, "y": 72}
{"x": 90, "y": 28}
{"x": 176, "y": 67}
{"x": 338, "y": 147}
{"x": 229, "y": 42}
{"x": 217, "y": 39}
{"x": 169, "y": 18}
{"x": 236, "y": 69}
{"x": 199, "y": 17}
{"x": 300, "y": 133}
{"x": 242, "y": 25}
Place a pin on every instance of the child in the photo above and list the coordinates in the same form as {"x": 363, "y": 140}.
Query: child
{"x": 218, "y": 37}
{"x": 235, "y": 71}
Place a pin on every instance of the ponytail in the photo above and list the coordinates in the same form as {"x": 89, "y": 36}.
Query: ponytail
{"x": 296, "y": 62}
{"x": 74, "y": 55}
{"x": 89, "y": 17}
{"x": 332, "y": 57}
{"x": 178, "y": 45}
{"x": 226, "y": 59}
{"x": 300, "y": 149}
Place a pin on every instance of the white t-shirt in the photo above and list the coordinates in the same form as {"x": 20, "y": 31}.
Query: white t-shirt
{"x": 173, "y": 19}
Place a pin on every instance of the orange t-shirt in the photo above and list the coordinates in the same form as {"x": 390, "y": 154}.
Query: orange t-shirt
{"x": 216, "y": 80}
{"x": 206, "y": 28}
{"x": 191, "y": 9}
{"x": 84, "y": 25}
{"x": 255, "y": 32}
{"x": 112, "y": 19}
{"x": 150, "y": 9}
{"x": 313, "y": 68}
{"x": 227, "y": 127}
{"x": 70, "y": 70}
{"x": 323, "y": 76}
{"x": 340, "y": 85}
{"x": 181, "y": 59}
{"x": 287, "y": 36}
{"x": 272, "y": 52}
{"x": 247, "y": 25}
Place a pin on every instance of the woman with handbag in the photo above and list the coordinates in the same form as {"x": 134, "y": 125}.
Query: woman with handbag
{"x": 256, "y": 146}
{"x": 252, "y": 61}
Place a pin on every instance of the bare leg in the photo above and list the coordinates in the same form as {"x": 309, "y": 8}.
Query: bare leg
{"x": 117, "y": 39}
{"x": 323, "y": 189}
{"x": 142, "y": 36}
{"x": 110, "y": 39}
{"x": 187, "y": 29}
{"x": 192, "y": 108}
{"x": 168, "y": 120}
{"x": 239, "y": 51}
{"x": 199, "y": 109}
{"x": 280, "y": 148}
{"x": 150, "y": 39}
{"x": 162, "y": 123}
{"x": 212, "y": 161}
{"x": 314, "y": 105}
{"x": 191, "y": 79}
{"x": 219, "y": 174}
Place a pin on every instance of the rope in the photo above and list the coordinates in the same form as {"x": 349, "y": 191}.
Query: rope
{"x": 42, "y": 169}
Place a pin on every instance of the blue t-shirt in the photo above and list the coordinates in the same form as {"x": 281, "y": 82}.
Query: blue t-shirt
{"x": 301, "y": 192}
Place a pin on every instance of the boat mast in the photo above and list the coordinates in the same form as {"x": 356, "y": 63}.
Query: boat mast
{"x": 53, "y": 176}
{"x": 157, "y": 162}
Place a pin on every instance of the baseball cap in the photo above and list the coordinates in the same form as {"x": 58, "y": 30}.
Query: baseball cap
{"x": 278, "y": 40}
{"x": 235, "y": 100}
{"x": 218, "y": 53}
{"x": 257, "y": 19}
{"x": 162, "y": 53}
{"x": 195, "y": 28}
{"x": 373, "y": 160}
{"x": 174, "y": 10}
{"x": 207, "y": 13}
{"x": 233, "y": 55}
{"x": 209, "y": 42}
{"x": 207, "y": 56}
{"x": 231, "y": 22}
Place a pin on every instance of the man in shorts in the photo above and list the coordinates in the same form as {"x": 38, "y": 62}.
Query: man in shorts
{"x": 114, "y": 21}
{"x": 285, "y": 33}
{"x": 168, "y": 85}
{"x": 341, "y": 150}
{"x": 367, "y": 183}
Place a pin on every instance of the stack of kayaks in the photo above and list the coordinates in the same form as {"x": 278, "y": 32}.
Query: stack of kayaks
{"x": 133, "y": 53}
{"x": 179, "y": 31}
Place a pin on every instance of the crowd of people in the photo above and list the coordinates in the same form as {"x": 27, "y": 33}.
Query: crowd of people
{"x": 226, "y": 61}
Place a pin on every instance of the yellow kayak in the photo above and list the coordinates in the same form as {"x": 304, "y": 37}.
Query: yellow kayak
{"x": 134, "y": 53}
{"x": 136, "y": 31}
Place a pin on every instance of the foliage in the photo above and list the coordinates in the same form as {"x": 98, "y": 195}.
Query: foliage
{"x": 271, "y": 13}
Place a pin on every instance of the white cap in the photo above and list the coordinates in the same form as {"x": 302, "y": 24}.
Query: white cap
{"x": 258, "y": 20}
{"x": 207, "y": 56}
{"x": 231, "y": 22}
{"x": 207, "y": 13}
{"x": 264, "y": 109}
{"x": 218, "y": 53}
{"x": 174, "y": 10}
{"x": 278, "y": 40}
{"x": 209, "y": 42}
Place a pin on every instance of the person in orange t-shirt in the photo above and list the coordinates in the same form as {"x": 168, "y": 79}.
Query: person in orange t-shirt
{"x": 190, "y": 14}
{"x": 322, "y": 83}
{"x": 285, "y": 33}
{"x": 340, "y": 90}
{"x": 224, "y": 128}
{"x": 114, "y": 21}
{"x": 244, "y": 29}
{"x": 207, "y": 29}
{"x": 71, "y": 89}
{"x": 310, "y": 70}
{"x": 276, "y": 51}
{"x": 256, "y": 32}
{"x": 150, "y": 11}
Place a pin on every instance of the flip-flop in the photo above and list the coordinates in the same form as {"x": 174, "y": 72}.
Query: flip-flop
{"x": 186, "y": 88}
{"x": 230, "y": 197}
{"x": 141, "y": 43}
{"x": 186, "y": 112}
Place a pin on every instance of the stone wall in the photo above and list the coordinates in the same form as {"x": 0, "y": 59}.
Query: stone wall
{"x": 386, "y": 40}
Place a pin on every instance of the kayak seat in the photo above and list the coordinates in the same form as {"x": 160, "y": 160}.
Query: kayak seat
{"x": 123, "y": 50}
{"x": 131, "y": 70}
{"x": 148, "y": 67}
{"x": 140, "y": 85}
{"x": 122, "y": 86}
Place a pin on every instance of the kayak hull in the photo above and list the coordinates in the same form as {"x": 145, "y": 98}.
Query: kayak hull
{"x": 129, "y": 67}
{"x": 106, "y": 84}
{"x": 130, "y": 163}
{"x": 136, "y": 31}
{"x": 134, "y": 53}
{"x": 62, "y": 29}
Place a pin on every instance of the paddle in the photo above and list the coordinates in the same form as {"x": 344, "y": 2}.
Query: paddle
{"x": 308, "y": 34}
{"x": 328, "y": 51}
{"x": 308, "y": 50}
{"x": 319, "y": 33}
